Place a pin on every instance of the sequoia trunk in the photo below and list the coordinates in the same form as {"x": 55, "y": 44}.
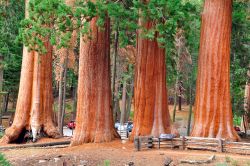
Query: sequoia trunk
{"x": 151, "y": 115}
{"x": 34, "y": 103}
{"x": 94, "y": 122}
{"x": 213, "y": 110}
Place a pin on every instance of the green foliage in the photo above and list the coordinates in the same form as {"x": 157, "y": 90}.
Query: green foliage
{"x": 231, "y": 161}
{"x": 222, "y": 164}
{"x": 167, "y": 16}
{"x": 1, "y": 134}
{"x": 49, "y": 20}
{"x": 10, "y": 16}
{"x": 240, "y": 52}
{"x": 237, "y": 120}
{"x": 54, "y": 21}
{"x": 3, "y": 161}
{"x": 106, "y": 163}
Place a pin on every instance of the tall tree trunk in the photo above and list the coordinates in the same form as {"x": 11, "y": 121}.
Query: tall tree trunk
{"x": 123, "y": 107}
{"x": 175, "y": 95}
{"x": 1, "y": 87}
{"x": 246, "y": 116}
{"x": 35, "y": 99}
{"x": 60, "y": 101}
{"x": 62, "y": 94}
{"x": 6, "y": 102}
{"x": 74, "y": 102}
{"x": 114, "y": 87}
{"x": 190, "y": 101}
{"x": 1, "y": 72}
{"x": 179, "y": 102}
{"x": 35, "y": 95}
{"x": 213, "y": 110}
{"x": 48, "y": 99}
{"x": 64, "y": 89}
{"x": 151, "y": 107}
{"x": 94, "y": 115}
{"x": 35, "y": 114}
{"x": 129, "y": 99}
{"x": 116, "y": 109}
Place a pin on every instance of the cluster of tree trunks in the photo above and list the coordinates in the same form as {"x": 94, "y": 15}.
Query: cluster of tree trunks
{"x": 213, "y": 111}
{"x": 151, "y": 115}
{"x": 94, "y": 117}
{"x": 34, "y": 104}
{"x": 35, "y": 99}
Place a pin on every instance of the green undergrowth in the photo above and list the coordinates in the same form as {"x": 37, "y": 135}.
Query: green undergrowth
{"x": 4, "y": 161}
{"x": 1, "y": 134}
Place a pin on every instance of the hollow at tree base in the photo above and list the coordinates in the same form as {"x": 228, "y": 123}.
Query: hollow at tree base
{"x": 17, "y": 134}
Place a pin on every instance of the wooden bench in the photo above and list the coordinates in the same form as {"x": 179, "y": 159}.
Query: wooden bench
{"x": 143, "y": 142}
{"x": 165, "y": 138}
{"x": 195, "y": 143}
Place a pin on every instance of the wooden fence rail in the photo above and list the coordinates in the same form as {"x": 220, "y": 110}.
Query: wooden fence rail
{"x": 196, "y": 143}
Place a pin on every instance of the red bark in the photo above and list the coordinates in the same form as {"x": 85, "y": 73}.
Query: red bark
{"x": 213, "y": 110}
{"x": 151, "y": 115}
{"x": 35, "y": 100}
{"x": 94, "y": 122}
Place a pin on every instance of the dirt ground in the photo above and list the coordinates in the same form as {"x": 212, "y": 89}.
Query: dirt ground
{"x": 117, "y": 153}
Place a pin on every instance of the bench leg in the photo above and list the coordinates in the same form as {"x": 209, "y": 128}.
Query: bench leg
{"x": 159, "y": 143}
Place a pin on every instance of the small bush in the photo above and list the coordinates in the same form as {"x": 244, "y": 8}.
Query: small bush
{"x": 1, "y": 134}
{"x": 237, "y": 120}
{"x": 221, "y": 164}
{"x": 106, "y": 163}
{"x": 3, "y": 161}
{"x": 231, "y": 161}
{"x": 228, "y": 159}
{"x": 234, "y": 163}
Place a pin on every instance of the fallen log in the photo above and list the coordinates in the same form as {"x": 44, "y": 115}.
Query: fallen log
{"x": 210, "y": 159}
{"x": 35, "y": 145}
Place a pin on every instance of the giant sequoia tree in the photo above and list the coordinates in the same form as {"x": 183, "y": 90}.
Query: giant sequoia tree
{"x": 94, "y": 114}
{"x": 151, "y": 108}
{"x": 213, "y": 110}
{"x": 34, "y": 104}
{"x": 94, "y": 117}
{"x": 157, "y": 28}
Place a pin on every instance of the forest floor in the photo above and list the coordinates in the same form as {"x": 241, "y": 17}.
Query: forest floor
{"x": 115, "y": 153}
{"x": 118, "y": 153}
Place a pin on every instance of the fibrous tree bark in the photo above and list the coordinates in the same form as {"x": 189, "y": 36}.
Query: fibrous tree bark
{"x": 60, "y": 101}
{"x": 35, "y": 99}
{"x": 123, "y": 106}
{"x": 246, "y": 116}
{"x": 114, "y": 84}
{"x": 62, "y": 94}
{"x": 94, "y": 120}
{"x": 213, "y": 111}
{"x": 129, "y": 99}
{"x": 151, "y": 116}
